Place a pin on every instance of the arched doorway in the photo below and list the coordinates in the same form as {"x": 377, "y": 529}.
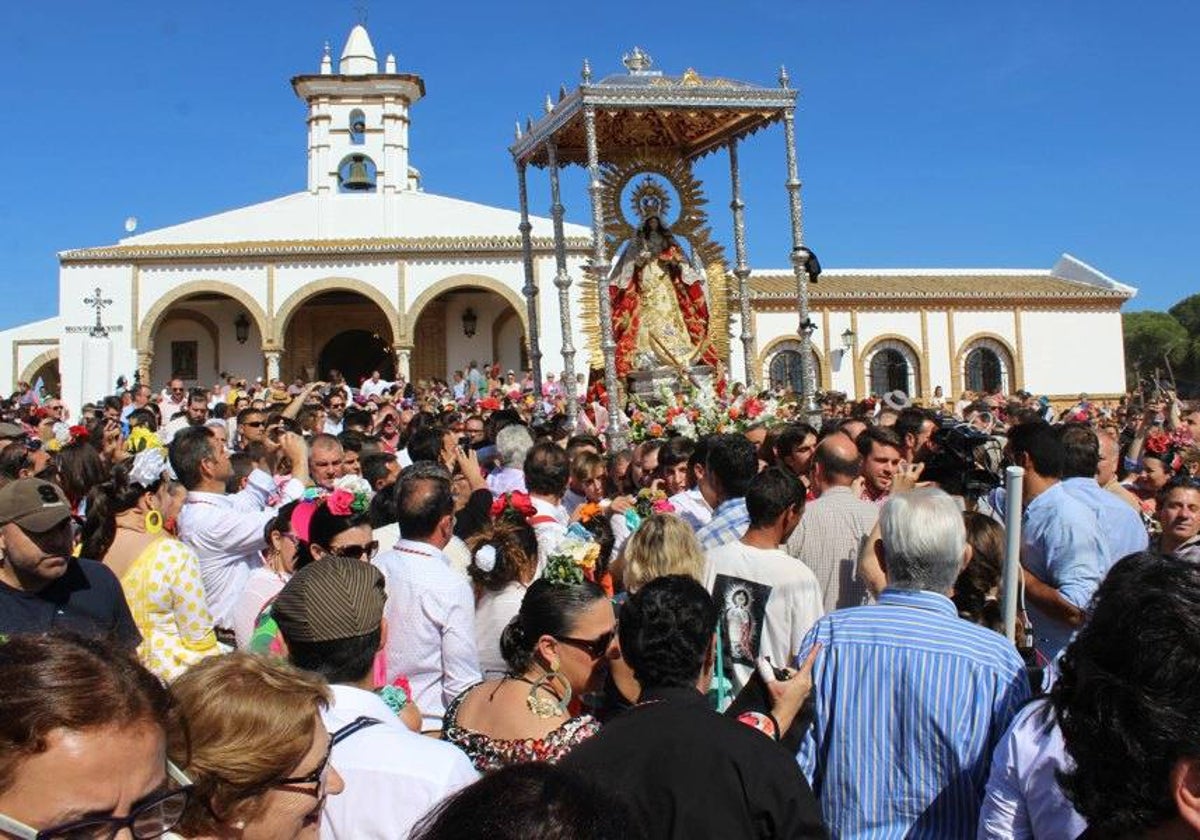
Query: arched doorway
{"x": 356, "y": 353}
{"x": 987, "y": 367}
{"x": 785, "y": 371}
{"x": 45, "y": 369}
{"x": 891, "y": 365}
{"x": 337, "y": 330}
{"x": 201, "y": 336}
{"x": 463, "y": 325}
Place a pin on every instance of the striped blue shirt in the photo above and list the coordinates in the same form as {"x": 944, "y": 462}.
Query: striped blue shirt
{"x": 728, "y": 524}
{"x": 910, "y": 701}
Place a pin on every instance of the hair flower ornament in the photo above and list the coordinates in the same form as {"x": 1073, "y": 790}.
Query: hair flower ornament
{"x": 515, "y": 504}
{"x": 342, "y": 502}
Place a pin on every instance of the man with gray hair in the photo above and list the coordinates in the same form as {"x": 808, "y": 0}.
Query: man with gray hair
{"x": 512, "y": 445}
{"x": 909, "y": 699}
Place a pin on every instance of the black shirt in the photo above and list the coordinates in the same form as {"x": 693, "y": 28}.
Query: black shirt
{"x": 688, "y": 772}
{"x": 87, "y": 599}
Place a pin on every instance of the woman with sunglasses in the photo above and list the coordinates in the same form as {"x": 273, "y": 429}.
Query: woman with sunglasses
{"x": 83, "y": 746}
{"x": 160, "y": 575}
{"x": 247, "y": 731}
{"x": 555, "y": 649}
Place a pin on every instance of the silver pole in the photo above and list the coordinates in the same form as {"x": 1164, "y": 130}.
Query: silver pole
{"x": 599, "y": 268}
{"x": 742, "y": 270}
{"x": 530, "y": 290}
{"x": 1014, "y": 482}
{"x": 563, "y": 281}
{"x": 798, "y": 267}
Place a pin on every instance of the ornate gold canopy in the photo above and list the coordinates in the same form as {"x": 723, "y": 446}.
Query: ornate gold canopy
{"x": 688, "y": 222}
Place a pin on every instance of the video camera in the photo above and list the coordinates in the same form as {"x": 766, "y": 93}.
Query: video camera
{"x": 962, "y": 460}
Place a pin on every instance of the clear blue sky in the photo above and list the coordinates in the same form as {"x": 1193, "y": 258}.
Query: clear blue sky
{"x": 932, "y": 134}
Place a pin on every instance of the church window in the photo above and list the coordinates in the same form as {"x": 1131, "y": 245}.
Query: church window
{"x": 358, "y": 127}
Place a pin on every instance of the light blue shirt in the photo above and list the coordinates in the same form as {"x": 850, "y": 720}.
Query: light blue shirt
{"x": 1023, "y": 799}
{"x": 1120, "y": 525}
{"x": 1061, "y": 545}
{"x": 729, "y": 523}
{"x": 909, "y": 702}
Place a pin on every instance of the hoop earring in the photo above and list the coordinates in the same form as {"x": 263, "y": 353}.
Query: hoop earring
{"x": 544, "y": 707}
{"x": 154, "y": 522}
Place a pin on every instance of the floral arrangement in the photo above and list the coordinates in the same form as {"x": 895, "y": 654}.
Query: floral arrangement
{"x": 589, "y": 511}
{"x": 1168, "y": 446}
{"x": 140, "y": 439}
{"x": 699, "y": 410}
{"x": 67, "y": 435}
{"x": 572, "y": 561}
{"x": 515, "y": 504}
{"x": 343, "y": 502}
{"x": 649, "y": 501}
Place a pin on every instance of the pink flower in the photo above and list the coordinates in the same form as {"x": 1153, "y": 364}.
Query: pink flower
{"x": 339, "y": 502}
{"x": 662, "y": 506}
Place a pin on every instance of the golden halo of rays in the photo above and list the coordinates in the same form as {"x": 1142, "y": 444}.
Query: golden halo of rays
{"x": 691, "y": 223}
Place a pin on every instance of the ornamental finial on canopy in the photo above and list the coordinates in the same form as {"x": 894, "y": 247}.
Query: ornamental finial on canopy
{"x": 638, "y": 61}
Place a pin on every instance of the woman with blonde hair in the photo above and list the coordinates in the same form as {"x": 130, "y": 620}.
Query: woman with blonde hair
{"x": 247, "y": 731}
{"x": 662, "y": 545}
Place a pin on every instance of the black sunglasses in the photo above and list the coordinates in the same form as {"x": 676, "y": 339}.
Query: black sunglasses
{"x": 357, "y": 552}
{"x": 595, "y": 648}
{"x": 153, "y": 818}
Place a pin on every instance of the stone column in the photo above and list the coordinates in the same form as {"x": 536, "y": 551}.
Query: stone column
{"x": 145, "y": 361}
{"x": 403, "y": 357}
{"x": 273, "y": 358}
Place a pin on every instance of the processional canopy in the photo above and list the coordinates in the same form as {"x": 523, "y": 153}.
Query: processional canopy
{"x": 643, "y": 108}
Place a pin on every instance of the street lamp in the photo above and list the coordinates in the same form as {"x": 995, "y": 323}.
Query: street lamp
{"x": 470, "y": 322}
{"x": 848, "y": 338}
{"x": 241, "y": 328}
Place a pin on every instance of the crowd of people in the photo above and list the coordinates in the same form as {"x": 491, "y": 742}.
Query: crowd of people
{"x": 444, "y": 611}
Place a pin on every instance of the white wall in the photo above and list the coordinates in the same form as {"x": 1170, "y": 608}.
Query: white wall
{"x": 1069, "y": 352}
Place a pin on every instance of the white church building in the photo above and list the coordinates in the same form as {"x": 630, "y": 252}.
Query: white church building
{"x": 364, "y": 270}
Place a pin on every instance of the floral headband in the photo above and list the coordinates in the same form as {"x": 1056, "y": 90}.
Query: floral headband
{"x": 1168, "y": 446}
{"x": 648, "y": 502}
{"x": 515, "y": 504}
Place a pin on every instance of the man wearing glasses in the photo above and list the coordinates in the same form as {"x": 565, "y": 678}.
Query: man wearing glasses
{"x": 335, "y": 412}
{"x": 251, "y": 428}
{"x": 172, "y": 400}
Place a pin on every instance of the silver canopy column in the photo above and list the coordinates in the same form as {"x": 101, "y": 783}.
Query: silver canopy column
{"x": 742, "y": 268}
{"x": 599, "y": 268}
{"x": 530, "y": 289}
{"x": 562, "y": 280}
{"x": 800, "y": 260}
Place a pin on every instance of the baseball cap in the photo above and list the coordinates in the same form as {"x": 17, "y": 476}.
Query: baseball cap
{"x": 34, "y": 505}
{"x": 330, "y": 599}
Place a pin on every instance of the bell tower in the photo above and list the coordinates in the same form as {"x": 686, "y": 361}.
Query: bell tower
{"x": 358, "y": 121}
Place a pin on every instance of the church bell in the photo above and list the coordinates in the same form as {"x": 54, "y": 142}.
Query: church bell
{"x": 357, "y": 177}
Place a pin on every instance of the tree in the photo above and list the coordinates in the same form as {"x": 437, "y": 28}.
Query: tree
{"x": 1187, "y": 313}
{"x": 1148, "y": 337}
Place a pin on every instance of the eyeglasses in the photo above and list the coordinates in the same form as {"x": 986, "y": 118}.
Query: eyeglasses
{"x": 317, "y": 777}
{"x": 337, "y": 405}
{"x": 255, "y": 424}
{"x": 595, "y": 648}
{"x": 357, "y": 552}
{"x": 153, "y": 818}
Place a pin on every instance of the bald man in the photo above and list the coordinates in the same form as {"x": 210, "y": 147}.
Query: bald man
{"x": 835, "y": 526}
{"x": 1106, "y": 475}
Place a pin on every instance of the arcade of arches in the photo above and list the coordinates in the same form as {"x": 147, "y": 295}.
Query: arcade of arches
{"x": 201, "y": 336}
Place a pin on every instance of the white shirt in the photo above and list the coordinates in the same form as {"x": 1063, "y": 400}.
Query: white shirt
{"x": 492, "y": 614}
{"x": 393, "y": 775}
{"x": 768, "y": 602}
{"x": 549, "y": 523}
{"x": 371, "y": 388}
{"x": 333, "y": 427}
{"x": 506, "y": 480}
{"x": 227, "y": 532}
{"x": 262, "y": 585}
{"x": 431, "y": 627}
